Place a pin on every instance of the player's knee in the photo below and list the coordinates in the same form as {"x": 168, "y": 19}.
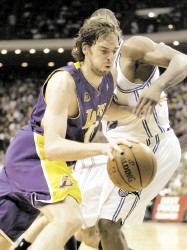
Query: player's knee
{"x": 107, "y": 228}
{"x": 60, "y": 216}
{"x": 104, "y": 228}
{"x": 77, "y": 221}
{"x": 74, "y": 222}
{"x": 43, "y": 221}
{"x": 90, "y": 237}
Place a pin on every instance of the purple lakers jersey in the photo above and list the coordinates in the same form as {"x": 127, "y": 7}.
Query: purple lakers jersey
{"x": 92, "y": 105}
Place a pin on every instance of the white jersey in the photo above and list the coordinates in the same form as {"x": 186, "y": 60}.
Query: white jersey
{"x": 128, "y": 93}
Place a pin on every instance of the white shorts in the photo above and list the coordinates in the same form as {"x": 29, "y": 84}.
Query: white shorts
{"x": 101, "y": 199}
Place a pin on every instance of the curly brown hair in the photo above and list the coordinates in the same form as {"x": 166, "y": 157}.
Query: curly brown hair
{"x": 92, "y": 29}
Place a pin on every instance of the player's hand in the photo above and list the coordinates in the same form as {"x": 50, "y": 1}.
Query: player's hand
{"x": 115, "y": 145}
{"x": 147, "y": 101}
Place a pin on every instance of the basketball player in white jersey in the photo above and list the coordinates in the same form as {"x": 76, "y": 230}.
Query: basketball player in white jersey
{"x": 139, "y": 88}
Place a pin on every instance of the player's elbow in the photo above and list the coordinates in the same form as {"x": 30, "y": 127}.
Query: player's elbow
{"x": 181, "y": 62}
{"x": 50, "y": 152}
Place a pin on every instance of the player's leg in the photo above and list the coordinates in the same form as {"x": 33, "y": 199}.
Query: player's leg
{"x": 37, "y": 226}
{"x": 95, "y": 195}
{"x": 167, "y": 163}
{"x": 64, "y": 220}
{"x": 90, "y": 237}
{"x": 30, "y": 235}
{"x": 132, "y": 209}
{"x": 168, "y": 157}
{"x": 5, "y": 241}
{"x": 78, "y": 237}
{"x": 111, "y": 235}
{"x": 32, "y": 232}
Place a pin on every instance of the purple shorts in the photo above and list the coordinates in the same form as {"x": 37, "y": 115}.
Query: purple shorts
{"x": 29, "y": 181}
{"x": 16, "y": 182}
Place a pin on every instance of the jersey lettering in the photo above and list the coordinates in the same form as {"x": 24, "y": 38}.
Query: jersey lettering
{"x": 90, "y": 131}
{"x": 92, "y": 115}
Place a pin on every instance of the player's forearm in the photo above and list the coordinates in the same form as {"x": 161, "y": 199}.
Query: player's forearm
{"x": 175, "y": 73}
{"x": 67, "y": 150}
{"x": 117, "y": 112}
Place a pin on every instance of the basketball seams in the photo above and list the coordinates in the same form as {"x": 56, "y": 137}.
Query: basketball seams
{"x": 140, "y": 176}
{"x": 113, "y": 176}
{"x": 122, "y": 175}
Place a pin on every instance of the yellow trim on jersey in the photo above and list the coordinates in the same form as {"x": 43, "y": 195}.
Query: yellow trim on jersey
{"x": 46, "y": 81}
{"x": 77, "y": 65}
{"x": 57, "y": 174}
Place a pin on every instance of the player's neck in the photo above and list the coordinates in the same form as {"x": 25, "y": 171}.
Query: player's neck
{"x": 94, "y": 79}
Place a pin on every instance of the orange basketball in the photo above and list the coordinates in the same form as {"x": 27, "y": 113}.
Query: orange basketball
{"x": 133, "y": 170}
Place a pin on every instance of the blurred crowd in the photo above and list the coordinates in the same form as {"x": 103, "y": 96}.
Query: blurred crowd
{"x": 31, "y": 19}
{"x": 17, "y": 98}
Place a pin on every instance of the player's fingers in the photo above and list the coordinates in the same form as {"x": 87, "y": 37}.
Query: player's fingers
{"x": 152, "y": 105}
{"x": 132, "y": 139}
{"x": 138, "y": 110}
{"x": 109, "y": 153}
{"x": 143, "y": 112}
{"x": 148, "y": 108}
{"x": 150, "y": 111}
{"x": 162, "y": 99}
{"x": 115, "y": 146}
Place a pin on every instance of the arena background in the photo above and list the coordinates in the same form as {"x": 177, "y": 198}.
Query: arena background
{"x": 37, "y": 36}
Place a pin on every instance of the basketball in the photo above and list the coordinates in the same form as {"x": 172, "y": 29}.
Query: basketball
{"x": 133, "y": 170}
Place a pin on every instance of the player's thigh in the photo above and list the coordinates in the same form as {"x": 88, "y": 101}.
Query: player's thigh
{"x": 168, "y": 157}
{"x": 64, "y": 212}
{"x": 95, "y": 185}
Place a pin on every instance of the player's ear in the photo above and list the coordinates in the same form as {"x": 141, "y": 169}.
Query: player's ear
{"x": 85, "y": 49}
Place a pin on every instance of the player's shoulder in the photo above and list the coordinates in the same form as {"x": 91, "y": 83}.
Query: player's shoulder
{"x": 136, "y": 47}
{"x": 60, "y": 87}
{"x": 138, "y": 43}
{"x": 136, "y": 40}
{"x": 61, "y": 79}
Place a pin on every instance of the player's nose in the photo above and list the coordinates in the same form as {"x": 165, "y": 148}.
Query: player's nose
{"x": 111, "y": 57}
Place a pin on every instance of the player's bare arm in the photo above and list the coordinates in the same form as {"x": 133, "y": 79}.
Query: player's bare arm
{"x": 117, "y": 112}
{"x": 144, "y": 50}
{"x": 62, "y": 103}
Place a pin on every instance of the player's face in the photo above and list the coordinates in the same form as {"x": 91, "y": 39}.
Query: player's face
{"x": 102, "y": 54}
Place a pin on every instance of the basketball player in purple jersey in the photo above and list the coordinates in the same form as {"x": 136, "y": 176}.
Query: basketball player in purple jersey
{"x": 37, "y": 176}
{"x": 139, "y": 87}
